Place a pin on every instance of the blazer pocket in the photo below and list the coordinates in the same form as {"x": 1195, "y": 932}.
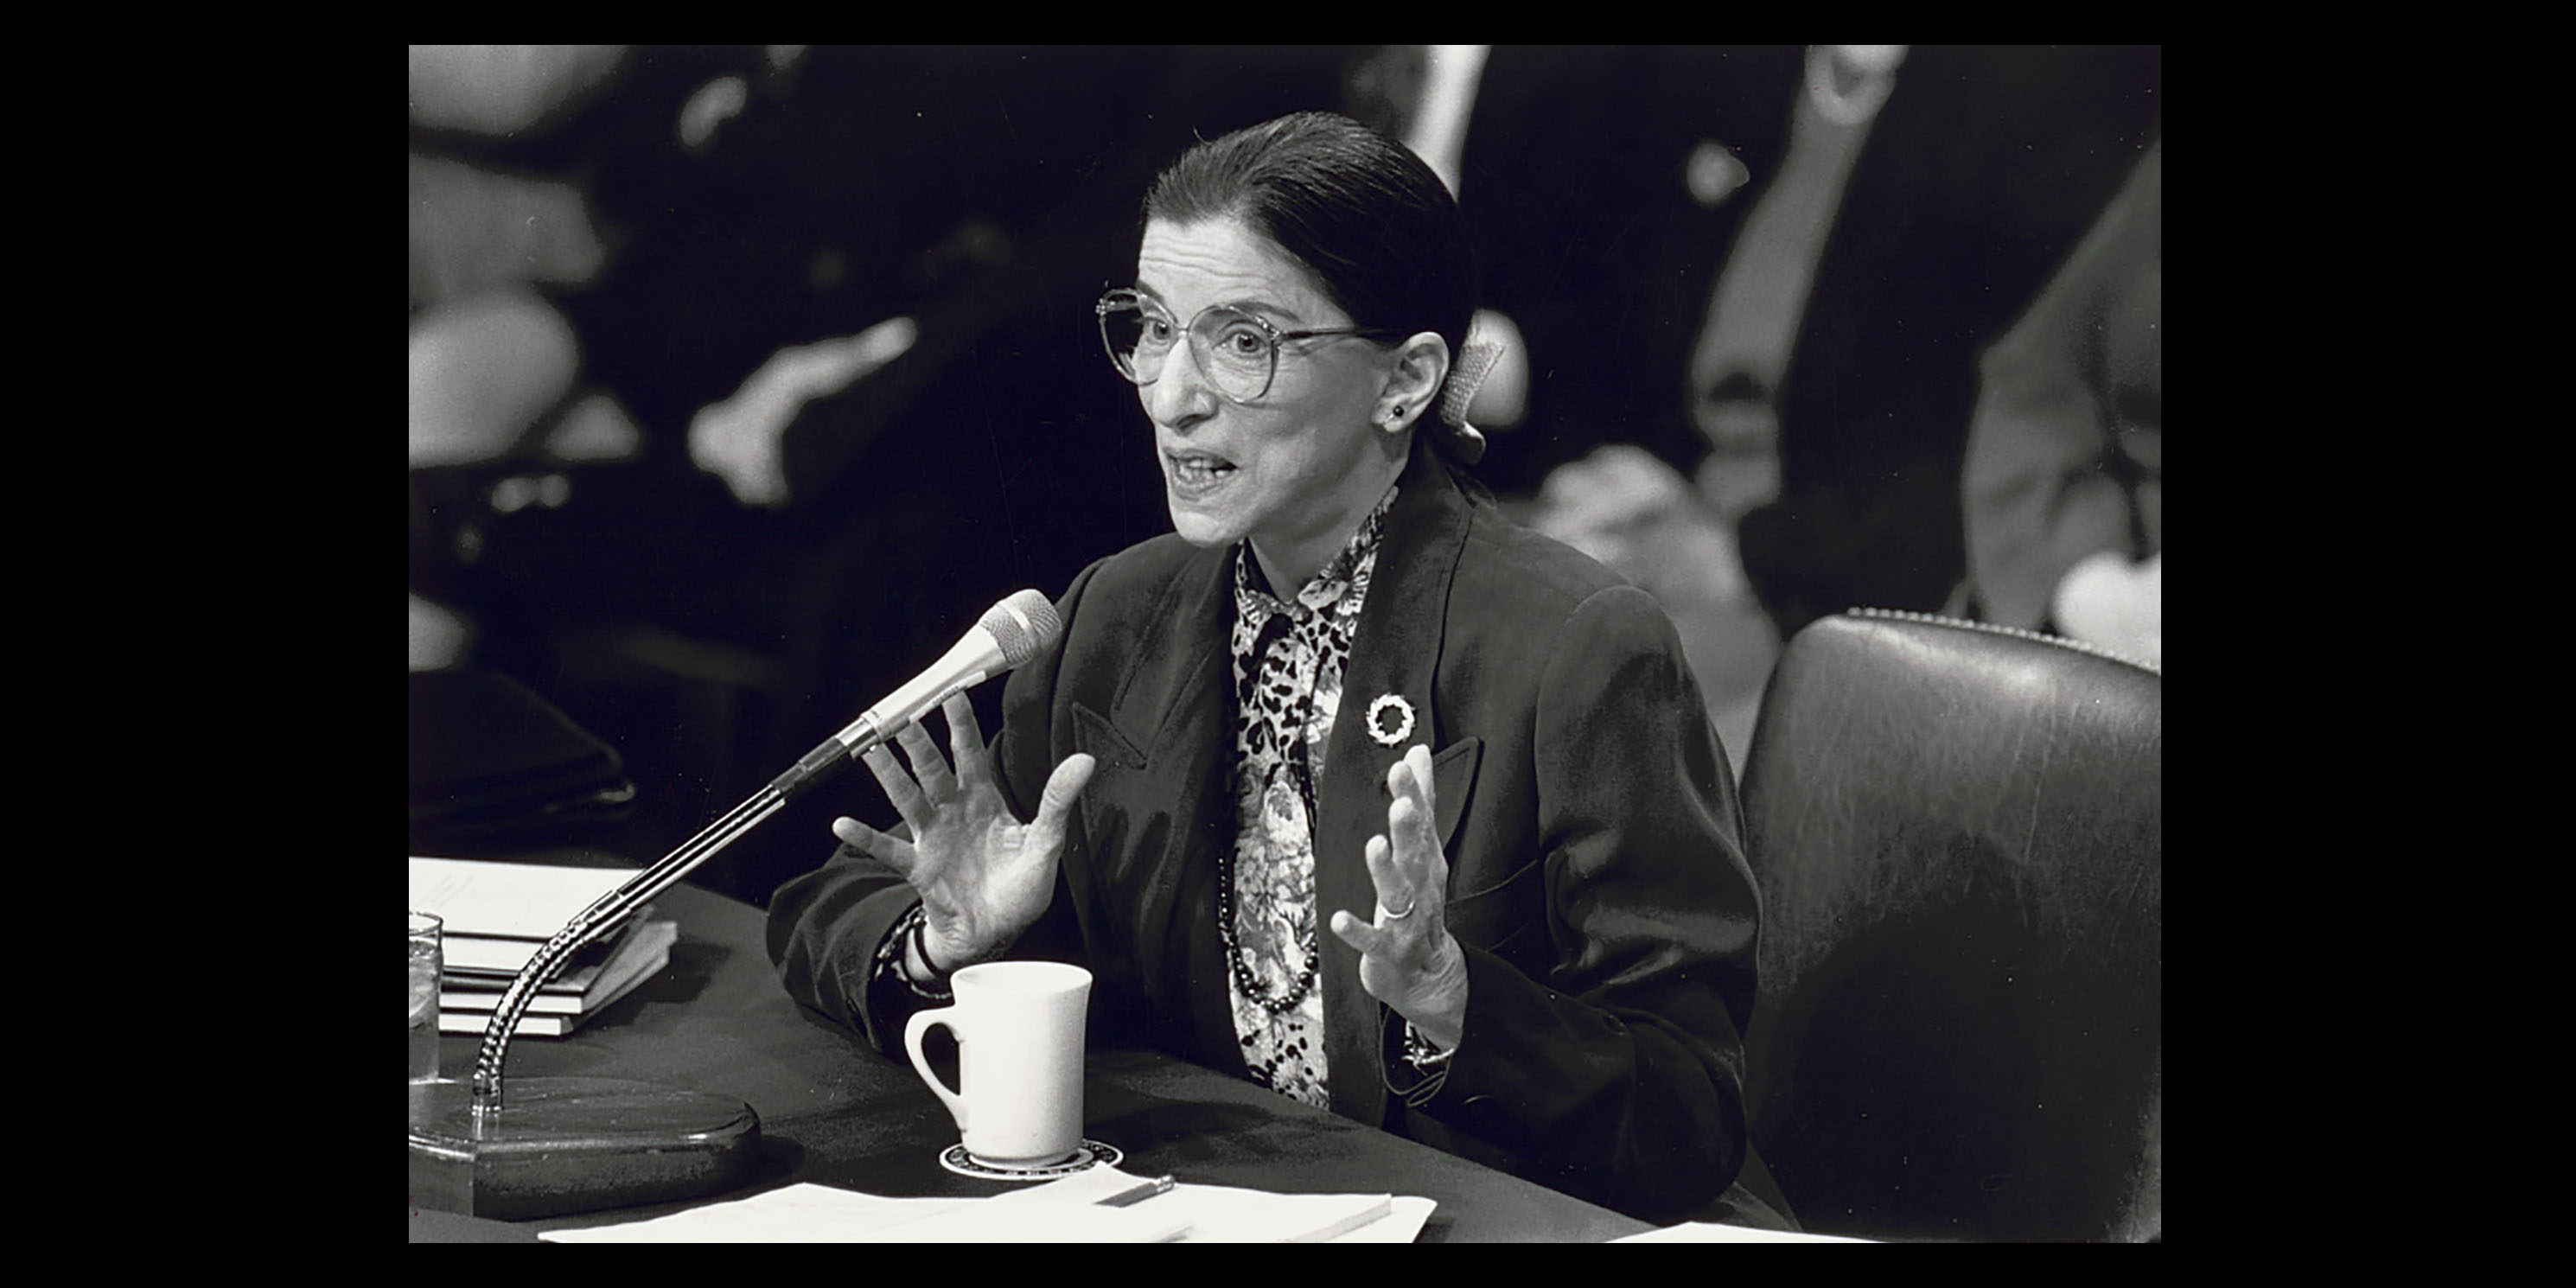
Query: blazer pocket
{"x": 1497, "y": 914}
{"x": 1453, "y": 777}
{"x": 1524, "y": 871}
{"x": 1093, "y": 733}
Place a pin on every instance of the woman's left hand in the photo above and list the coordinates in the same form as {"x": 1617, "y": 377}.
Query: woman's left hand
{"x": 1408, "y": 959}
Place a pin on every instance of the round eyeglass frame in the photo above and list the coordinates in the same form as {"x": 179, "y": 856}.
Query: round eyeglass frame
{"x": 1128, "y": 298}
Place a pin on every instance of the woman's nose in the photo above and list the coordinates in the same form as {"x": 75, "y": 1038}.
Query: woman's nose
{"x": 1180, "y": 396}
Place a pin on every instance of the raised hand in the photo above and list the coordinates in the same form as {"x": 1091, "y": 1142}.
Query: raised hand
{"x": 983, "y": 875}
{"x": 1408, "y": 959}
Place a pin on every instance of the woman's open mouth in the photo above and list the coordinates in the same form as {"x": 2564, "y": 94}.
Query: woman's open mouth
{"x": 1196, "y": 472}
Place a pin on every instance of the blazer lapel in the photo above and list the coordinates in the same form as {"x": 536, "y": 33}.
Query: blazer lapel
{"x": 1394, "y": 654}
{"x": 1169, "y": 721}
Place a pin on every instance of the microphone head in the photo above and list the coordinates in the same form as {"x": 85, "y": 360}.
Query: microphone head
{"x": 1024, "y": 625}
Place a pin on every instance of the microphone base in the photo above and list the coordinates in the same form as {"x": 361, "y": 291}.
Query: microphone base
{"x": 560, "y": 1146}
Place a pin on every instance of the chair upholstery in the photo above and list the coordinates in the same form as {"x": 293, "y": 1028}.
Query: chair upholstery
{"x": 1958, "y": 833}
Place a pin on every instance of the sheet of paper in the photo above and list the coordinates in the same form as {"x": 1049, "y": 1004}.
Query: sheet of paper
{"x": 1710, "y": 1232}
{"x": 1064, "y": 1211}
{"x": 1406, "y": 1215}
{"x": 1228, "y": 1214}
{"x": 517, "y": 900}
{"x": 821, "y": 1214}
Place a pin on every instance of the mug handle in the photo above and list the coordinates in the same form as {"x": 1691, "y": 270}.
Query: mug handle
{"x": 913, "y": 1031}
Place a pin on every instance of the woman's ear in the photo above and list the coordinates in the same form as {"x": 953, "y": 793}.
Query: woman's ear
{"x": 1413, "y": 387}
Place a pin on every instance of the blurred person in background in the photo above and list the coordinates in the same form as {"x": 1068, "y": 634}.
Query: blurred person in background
{"x": 491, "y": 358}
{"x": 1770, "y": 270}
{"x": 2065, "y": 476}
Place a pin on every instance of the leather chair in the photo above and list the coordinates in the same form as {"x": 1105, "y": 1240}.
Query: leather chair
{"x": 1958, "y": 834}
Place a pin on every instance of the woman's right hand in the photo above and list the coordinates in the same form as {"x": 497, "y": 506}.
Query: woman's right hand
{"x": 982, "y": 874}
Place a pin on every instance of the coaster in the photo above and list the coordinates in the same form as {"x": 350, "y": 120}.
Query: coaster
{"x": 1092, "y": 1154}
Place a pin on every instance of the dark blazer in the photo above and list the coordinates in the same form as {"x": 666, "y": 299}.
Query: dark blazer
{"x": 1597, "y": 872}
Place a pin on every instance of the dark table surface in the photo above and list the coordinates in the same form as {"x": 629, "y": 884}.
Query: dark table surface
{"x": 835, "y": 1112}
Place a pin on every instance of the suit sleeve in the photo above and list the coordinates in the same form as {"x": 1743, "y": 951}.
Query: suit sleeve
{"x": 826, "y": 927}
{"x": 2063, "y": 462}
{"x": 1619, "y": 1076}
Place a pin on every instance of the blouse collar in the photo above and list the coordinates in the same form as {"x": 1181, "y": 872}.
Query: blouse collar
{"x": 1329, "y": 584}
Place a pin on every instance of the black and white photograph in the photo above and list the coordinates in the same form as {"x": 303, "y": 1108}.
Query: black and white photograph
{"x": 1286, "y": 643}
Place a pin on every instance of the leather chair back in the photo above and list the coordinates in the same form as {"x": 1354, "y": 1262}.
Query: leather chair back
{"x": 1958, "y": 833}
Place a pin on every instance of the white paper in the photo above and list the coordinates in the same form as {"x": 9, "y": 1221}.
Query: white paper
{"x": 821, "y": 1214}
{"x": 1063, "y": 1211}
{"x": 513, "y": 900}
{"x": 1711, "y": 1232}
{"x": 1229, "y": 1214}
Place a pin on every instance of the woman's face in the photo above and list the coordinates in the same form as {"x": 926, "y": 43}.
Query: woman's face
{"x": 1296, "y": 471}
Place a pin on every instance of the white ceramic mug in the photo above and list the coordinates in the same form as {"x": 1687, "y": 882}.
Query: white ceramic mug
{"x": 1019, "y": 1025}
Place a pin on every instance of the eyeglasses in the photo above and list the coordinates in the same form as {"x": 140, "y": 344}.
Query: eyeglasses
{"x": 1237, "y": 351}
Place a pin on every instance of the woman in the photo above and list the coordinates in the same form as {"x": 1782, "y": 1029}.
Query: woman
{"x": 1348, "y": 785}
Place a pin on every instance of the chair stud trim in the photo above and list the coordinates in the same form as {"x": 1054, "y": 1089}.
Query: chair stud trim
{"x": 1990, "y": 628}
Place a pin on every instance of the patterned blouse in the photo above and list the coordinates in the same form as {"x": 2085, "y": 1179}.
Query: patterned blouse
{"x": 1289, "y": 658}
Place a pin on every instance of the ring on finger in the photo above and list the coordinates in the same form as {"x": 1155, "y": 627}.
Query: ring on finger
{"x": 1384, "y": 911}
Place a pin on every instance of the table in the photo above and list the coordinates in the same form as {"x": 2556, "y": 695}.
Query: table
{"x": 835, "y": 1112}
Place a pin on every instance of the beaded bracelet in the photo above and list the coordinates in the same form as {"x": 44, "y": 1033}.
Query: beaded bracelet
{"x": 1427, "y": 1061}
{"x": 1421, "y": 1052}
{"x": 910, "y": 929}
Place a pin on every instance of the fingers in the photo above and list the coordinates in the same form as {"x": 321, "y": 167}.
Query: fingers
{"x": 1418, "y": 759}
{"x": 1063, "y": 787}
{"x": 1363, "y": 938}
{"x": 899, "y": 787}
{"x": 966, "y": 741}
{"x": 889, "y": 850}
{"x": 919, "y": 793}
{"x": 928, "y": 766}
{"x": 1397, "y": 889}
{"x": 1409, "y": 825}
{"x": 1406, "y": 868}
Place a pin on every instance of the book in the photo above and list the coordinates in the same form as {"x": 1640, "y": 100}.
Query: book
{"x": 496, "y": 916}
{"x": 501, "y": 960}
{"x": 639, "y": 956}
{"x": 469, "y": 1009}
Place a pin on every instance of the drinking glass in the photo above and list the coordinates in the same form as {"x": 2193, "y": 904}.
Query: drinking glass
{"x": 425, "y": 960}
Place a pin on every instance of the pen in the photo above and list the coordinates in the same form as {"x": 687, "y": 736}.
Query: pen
{"x": 1138, "y": 1193}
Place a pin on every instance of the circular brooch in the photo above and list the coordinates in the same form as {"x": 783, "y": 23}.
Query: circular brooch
{"x": 1377, "y": 724}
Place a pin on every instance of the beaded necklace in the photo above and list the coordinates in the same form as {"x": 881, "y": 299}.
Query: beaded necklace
{"x": 1292, "y": 755}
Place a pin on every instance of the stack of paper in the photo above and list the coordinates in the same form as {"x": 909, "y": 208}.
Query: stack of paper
{"x": 497, "y": 915}
{"x": 1071, "y": 1210}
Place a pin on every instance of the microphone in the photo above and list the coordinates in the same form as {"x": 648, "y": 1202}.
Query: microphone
{"x": 1010, "y": 633}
